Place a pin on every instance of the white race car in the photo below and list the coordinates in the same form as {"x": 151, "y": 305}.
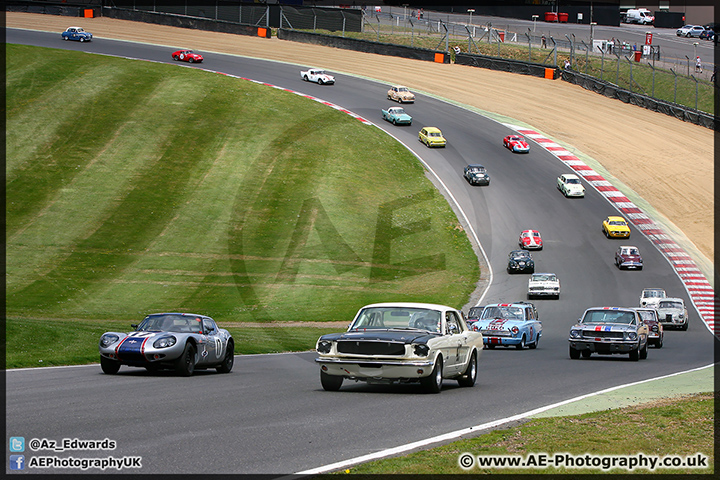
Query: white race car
{"x": 570, "y": 186}
{"x": 318, "y": 76}
{"x": 543, "y": 285}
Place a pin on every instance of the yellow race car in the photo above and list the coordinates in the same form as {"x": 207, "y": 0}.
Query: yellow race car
{"x": 432, "y": 137}
{"x": 615, "y": 227}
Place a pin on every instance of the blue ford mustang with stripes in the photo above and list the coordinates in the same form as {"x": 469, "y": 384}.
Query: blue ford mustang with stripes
{"x": 184, "y": 342}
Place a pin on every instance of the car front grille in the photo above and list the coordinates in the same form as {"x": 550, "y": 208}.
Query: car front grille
{"x": 371, "y": 348}
{"x": 601, "y": 334}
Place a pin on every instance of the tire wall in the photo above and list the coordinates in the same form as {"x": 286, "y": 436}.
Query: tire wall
{"x": 613, "y": 91}
{"x": 183, "y": 21}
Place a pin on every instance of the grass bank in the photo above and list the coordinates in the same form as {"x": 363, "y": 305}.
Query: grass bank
{"x": 683, "y": 427}
{"x": 135, "y": 187}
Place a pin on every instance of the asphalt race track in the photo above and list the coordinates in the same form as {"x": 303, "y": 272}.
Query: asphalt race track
{"x": 270, "y": 415}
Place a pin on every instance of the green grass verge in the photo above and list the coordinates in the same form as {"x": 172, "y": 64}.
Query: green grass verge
{"x": 681, "y": 427}
{"x": 135, "y": 187}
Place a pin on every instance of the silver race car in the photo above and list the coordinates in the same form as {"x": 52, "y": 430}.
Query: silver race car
{"x": 184, "y": 342}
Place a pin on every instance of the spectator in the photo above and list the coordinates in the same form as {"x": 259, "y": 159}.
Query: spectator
{"x": 713, "y": 77}
{"x": 457, "y": 49}
{"x": 543, "y": 41}
{"x": 698, "y": 65}
{"x": 566, "y": 66}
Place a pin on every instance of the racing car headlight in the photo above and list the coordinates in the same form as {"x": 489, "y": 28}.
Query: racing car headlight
{"x": 654, "y": 328}
{"x": 324, "y": 346}
{"x": 108, "y": 339}
{"x": 681, "y": 315}
{"x": 632, "y": 336}
{"x": 575, "y": 333}
{"x": 515, "y": 330}
{"x": 164, "y": 342}
{"x": 421, "y": 350}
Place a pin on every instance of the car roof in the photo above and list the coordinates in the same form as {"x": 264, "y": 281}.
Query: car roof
{"x": 541, "y": 273}
{"x": 473, "y": 165}
{"x": 570, "y": 175}
{"x": 677, "y": 299}
{"x": 615, "y": 217}
{"x": 398, "y": 86}
{"x": 628, "y": 246}
{"x": 432, "y": 129}
{"x": 432, "y": 306}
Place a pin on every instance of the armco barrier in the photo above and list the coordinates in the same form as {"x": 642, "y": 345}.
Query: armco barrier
{"x": 507, "y": 65}
{"x": 611, "y": 90}
{"x": 185, "y": 22}
{"x": 358, "y": 45}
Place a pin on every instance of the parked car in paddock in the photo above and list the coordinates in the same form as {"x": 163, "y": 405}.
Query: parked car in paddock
{"x": 628, "y": 256}
{"x": 607, "y": 331}
{"x": 530, "y": 240}
{"x": 707, "y": 34}
{"x": 672, "y": 313}
{"x": 432, "y": 137}
{"x": 615, "y": 227}
{"x": 400, "y": 94}
{"x": 187, "y": 56}
{"x": 401, "y": 343}
{"x": 318, "y": 76}
{"x": 509, "y": 325}
{"x": 76, "y": 33}
{"x": 543, "y": 285}
{"x": 570, "y": 185}
{"x": 185, "y": 342}
{"x": 516, "y": 143}
{"x": 396, "y": 116}
{"x": 650, "y": 297}
{"x": 476, "y": 174}
{"x": 656, "y": 332}
{"x": 690, "y": 31}
{"x": 520, "y": 261}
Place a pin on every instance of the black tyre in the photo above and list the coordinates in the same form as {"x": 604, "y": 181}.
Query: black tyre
{"x": 330, "y": 383}
{"x": 659, "y": 343}
{"x": 534, "y": 345}
{"x": 175, "y": 57}
{"x": 468, "y": 378}
{"x": 82, "y": 39}
{"x": 109, "y": 366}
{"x": 394, "y": 122}
{"x": 306, "y": 78}
{"x": 320, "y": 81}
{"x": 191, "y": 60}
{"x": 229, "y": 360}
{"x": 586, "y": 353}
{"x": 433, "y": 382}
{"x": 66, "y": 38}
{"x": 635, "y": 354}
{"x": 574, "y": 354}
{"x": 643, "y": 352}
{"x": 185, "y": 365}
{"x": 685, "y": 326}
{"x": 521, "y": 345}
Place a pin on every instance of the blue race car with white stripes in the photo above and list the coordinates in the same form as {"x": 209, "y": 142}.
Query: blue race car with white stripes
{"x": 509, "y": 324}
{"x": 184, "y": 342}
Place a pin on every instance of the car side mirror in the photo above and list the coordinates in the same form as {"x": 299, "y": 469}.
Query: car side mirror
{"x": 454, "y": 330}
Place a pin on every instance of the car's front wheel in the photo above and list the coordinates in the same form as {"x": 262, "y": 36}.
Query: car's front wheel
{"x": 574, "y": 353}
{"x": 468, "y": 378}
{"x": 643, "y": 352}
{"x": 82, "y": 39}
{"x": 685, "y": 326}
{"x": 109, "y": 366}
{"x": 521, "y": 345}
{"x": 635, "y": 354}
{"x": 229, "y": 360}
{"x": 659, "y": 343}
{"x": 320, "y": 81}
{"x": 185, "y": 365}
{"x": 66, "y": 38}
{"x": 330, "y": 383}
{"x": 433, "y": 382}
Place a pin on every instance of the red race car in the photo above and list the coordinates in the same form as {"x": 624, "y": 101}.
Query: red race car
{"x": 187, "y": 56}
{"x": 516, "y": 143}
{"x": 530, "y": 240}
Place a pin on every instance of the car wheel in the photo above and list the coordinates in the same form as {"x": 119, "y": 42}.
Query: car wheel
{"x": 82, "y": 39}
{"x": 659, "y": 343}
{"x": 643, "y": 352}
{"x": 394, "y": 122}
{"x": 586, "y": 353}
{"x": 66, "y": 38}
{"x": 574, "y": 354}
{"x": 685, "y": 326}
{"x": 534, "y": 345}
{"x": 229, "y": 360}
{"x": 468, "y": 378}
{"x": 433, "y": 382}
{"x": 521, "y": 345}
{"x": 320, "y": 81}
{"x": 330, "y": 383}
{"x": 305, "y": 77}
{"x": 191, "y": 60}
{"x": 175, "y": 57}
{"x": 489, "y": 346}
{"x": 635, "y": 354}
{"x": 109, "y": 366}
{"x": 185, "y": 365}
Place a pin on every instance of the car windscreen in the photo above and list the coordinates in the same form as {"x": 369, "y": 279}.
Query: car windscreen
{"x": 171, "y": 323}
{"x": 543, "y": 278}
{"x": 397, "y": 317}
{"x": 667, "y": 304}
{"x": 647, "y": 315}
{"x": 572, "y": 180}
{"x": 506, "y": 312}
{"x": 609, "y": 316}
